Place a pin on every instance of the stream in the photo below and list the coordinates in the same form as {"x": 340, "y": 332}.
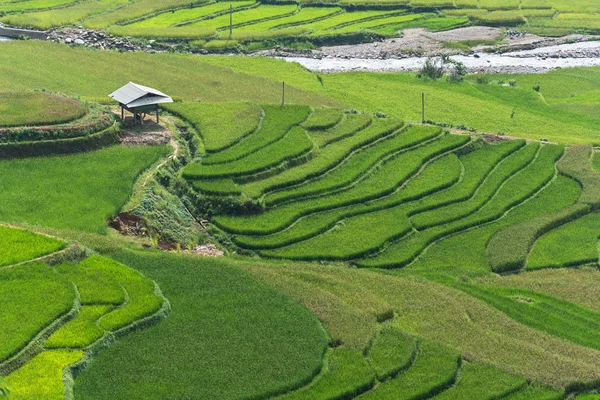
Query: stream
{"x": 539, "y": 60}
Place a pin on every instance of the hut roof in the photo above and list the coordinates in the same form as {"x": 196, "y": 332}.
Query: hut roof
{"x": 133, "y": 95}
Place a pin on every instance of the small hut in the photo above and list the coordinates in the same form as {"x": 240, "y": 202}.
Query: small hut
{"x": 139, "y": 100}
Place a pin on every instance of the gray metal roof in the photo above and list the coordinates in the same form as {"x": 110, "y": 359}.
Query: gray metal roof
{"x": 134, "y": 95}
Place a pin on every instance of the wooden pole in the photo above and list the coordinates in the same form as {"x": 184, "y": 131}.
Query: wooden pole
{"x": 283, "y": 93}
{"x": 230, "y": 19}
{"x": 122, "y": 114}
{"x": 422, "y": 107}
{"x": 157, "y": 118}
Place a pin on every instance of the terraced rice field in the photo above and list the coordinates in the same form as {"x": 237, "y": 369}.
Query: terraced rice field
{"x": 206, "y": 24}
{"x": 55, "y": 317}
{"x": 378, "y": 193}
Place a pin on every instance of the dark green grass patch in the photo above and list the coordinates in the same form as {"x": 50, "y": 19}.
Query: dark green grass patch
{"x": 72, "y": 192}
{"x": 484, "y": 382}
{"x": 278, "y": 120}
{"x": 38, "y": 108}
{"x": 323, "y": 118}
{"x": 293, "y": 145}
{"x": 572, "y": 244}
{"x": 347, "y": 375}
{"x": 434, "y": 369}
{"x": 224, "y": 324}
{"x": 220, "y": 125}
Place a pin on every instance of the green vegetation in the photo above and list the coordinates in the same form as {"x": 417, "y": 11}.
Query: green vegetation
{"x": 434, "y": 369}
{"x": 391, "y": 352}
{"x": 323, "y": 118}
{"x": 18, "y": 245}
{"x": 75, "y": 192}
{"x": 41, "y": 378}
{"x": 287, "y": 342}
{"x": 80, "y": 331}
{"x": 347, "y": 374}
{"x": 219, "y": 125}
{"x": 38, "y": 108}
{"x": 483, "y": 381}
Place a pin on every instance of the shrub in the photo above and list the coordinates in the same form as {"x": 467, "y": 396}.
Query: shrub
{"x": 433, "y": 68}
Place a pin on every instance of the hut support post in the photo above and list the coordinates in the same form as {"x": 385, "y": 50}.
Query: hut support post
{"x": 157, "y": 118}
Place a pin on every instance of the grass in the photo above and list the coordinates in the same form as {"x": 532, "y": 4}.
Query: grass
{"x": 288, "y": 342}
{"x": 72, "y": 192}
{"x": 572, "y": 244}
{"x": 391, "y": 352}
{"x": 64, "y": 16}
{"x": 434, "y": 369}
{"x": 38, "y": 108}
{"x": 555, "y": 316}
{"x": 326, "y": 158}
{"x": 18, "y": 245}
{"x": 464, "y": 254}
{"x": 275, "y": 125}
{"x": 358, "y": 162}
{"x": 42, "y": 377}
{"x": 376, "y": 185}
{"x": 31, "y": 290}
{"x": 248, "y": 16}
{"x": 480, "y": 381}
{"x": 219, "y": 125}
{"x": 141, "y": 301}
{"x": 293, "y": 145}
{"x": 506, "y": 169}
{"x": 81, "y": 331}
{"x": 323, "y": 118}
{"x": 516, "y": 190}
{"x": 347, "y": 374}
{"x": 438, "y": 175}
{"x": 186, "y": 14}
{"x": 488, "y": 108}
{"x": 432, "y": 311}
{"x": 179, "y": 75}
{"x": 133, "y": 11}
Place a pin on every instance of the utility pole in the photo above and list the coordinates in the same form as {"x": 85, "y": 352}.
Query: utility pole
{"x": 422, "y": 107}
{"x": 230, "y": 19}
{"x": 283, "y": 93}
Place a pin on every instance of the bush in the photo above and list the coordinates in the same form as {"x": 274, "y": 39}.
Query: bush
{"x": 433, "y": 68}
{"x": 482, "y": 80}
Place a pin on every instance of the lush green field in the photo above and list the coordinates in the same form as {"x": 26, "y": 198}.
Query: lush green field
{"x": 317, "y": 181}
{"x": 46, "y": 327}
{"x": 37, "y": 108}
{"x": 72, "y": 192}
